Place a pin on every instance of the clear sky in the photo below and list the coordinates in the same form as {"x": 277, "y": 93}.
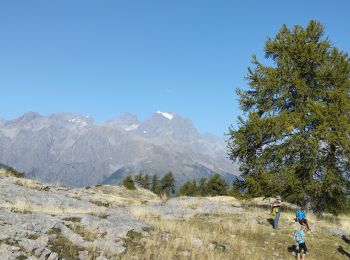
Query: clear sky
{"x": 104, "y": 58}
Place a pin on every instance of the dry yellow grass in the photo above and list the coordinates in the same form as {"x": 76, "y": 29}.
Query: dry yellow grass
{"x": 110, "y": 196}
{"x": 220, "y": 236}
{"x": 27, "y": 183}
{"x": 247, "y": 236}
{"x": 11, "y": 172}
{"x": 83, "y": 232}
{"x": 24, "y": 206}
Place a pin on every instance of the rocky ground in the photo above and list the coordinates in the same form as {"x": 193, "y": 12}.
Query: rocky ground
{"x": 39, "y": 221}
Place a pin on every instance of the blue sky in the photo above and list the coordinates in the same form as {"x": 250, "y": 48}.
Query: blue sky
{"x": 104, "y": 58}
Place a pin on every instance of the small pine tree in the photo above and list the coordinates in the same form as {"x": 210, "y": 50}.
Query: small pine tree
{"x": 128, "y": 182}
{"x": 217, "y": 186}
{"x": 167, "y": 184}
{"x": 142, "y": 180}
{"x": 155, "y": 185}
{"x": 145, "y": 182}
{"x": 203, "y": 187}
{"x": 188, "y": 189}
{"x": 138, "y": 178}
{"x": 236, "y": 190}
{"x": 12, "y": 172}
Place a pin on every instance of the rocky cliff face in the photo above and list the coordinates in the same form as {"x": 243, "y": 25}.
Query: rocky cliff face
{"x": 74, "y": 150}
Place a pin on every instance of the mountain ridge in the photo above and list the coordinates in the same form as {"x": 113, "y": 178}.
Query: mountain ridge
{"x": 75, "y": 150}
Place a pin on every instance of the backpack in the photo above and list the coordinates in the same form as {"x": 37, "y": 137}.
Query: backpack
{"x": 297, "y": 236}
{"x": 274, "y": 211}
{"x": 300, "y": 214}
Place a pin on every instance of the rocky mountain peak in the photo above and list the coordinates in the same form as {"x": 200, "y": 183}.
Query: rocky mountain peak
{"x": 26, "y": 118}
{"x": 2, "y": 121}
{"x": 72, "y": 149}
{"x": 127, "y": 121}
{"x": 169, "y": 125}
{"x": 166, "y": 115}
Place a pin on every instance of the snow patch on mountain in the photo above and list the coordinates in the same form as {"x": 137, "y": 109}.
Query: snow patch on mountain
{"x": 166, "y": 115}
{"x": 131, "y": 127}
{"x": 79, "y": 122}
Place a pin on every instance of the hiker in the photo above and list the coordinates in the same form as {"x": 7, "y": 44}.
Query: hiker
{"x": 299, "y": 239}
{"x": 276, "y": 211}
{"x": 301, "y": 218}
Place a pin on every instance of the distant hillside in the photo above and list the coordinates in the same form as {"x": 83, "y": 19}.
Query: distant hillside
{"x": 3, "y": 166}
{"x": 120, "y": 174}
{"x": 74, "y": 150}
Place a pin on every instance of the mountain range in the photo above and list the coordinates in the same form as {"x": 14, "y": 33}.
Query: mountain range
{"x": 74, "y": 150}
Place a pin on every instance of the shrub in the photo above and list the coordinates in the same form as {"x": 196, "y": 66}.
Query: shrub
{"x": 216, "y": 186}
{"x": 128, "y": 182}
{"x": 143, "y": 180}
{"x": 189, "y": 188}
{"x": 167, "y": 184}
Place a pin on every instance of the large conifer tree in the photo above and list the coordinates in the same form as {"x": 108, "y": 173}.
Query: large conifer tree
{"x": 293, "y": 139}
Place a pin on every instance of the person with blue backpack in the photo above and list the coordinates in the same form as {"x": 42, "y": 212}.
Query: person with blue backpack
{"x": 301, "y": 246}
{"x": 301, "y": 218}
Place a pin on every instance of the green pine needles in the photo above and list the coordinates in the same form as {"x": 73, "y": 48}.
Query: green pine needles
{"x": 163, "y": 186}
{"x": 293, "y": 139}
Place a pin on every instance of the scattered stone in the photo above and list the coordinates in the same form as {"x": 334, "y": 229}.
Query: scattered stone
{"x": 101, "y": 257}
{"x": 28, "y": 245}
{"x": 260, "y": 220}
{"x": 45, "y": 253}
{"x": 216, "y": 246}
{"x": 165, "y": 237}
{"x": 196, "y": 242}
{"x": 6, "y": 253}
{"x": 211, "y": 246}
{"x": 43, "y": 240}
{"x": 53, "y": 256}
{"x": 83, "y": 255}
{"x": 14, "y": 248}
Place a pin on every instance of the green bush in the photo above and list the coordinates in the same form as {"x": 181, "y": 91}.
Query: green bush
{"x": 216, "y": 186}
{"x": 128, "y": 182}
{"x": 167, "y": 184}
{"x": 189, "y": 188}
{"x": 155, "y": 185}
{"x": 12, "y": 172}
{"x": 143, "y": 180}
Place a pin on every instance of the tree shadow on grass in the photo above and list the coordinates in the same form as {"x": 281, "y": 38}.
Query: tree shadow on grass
{"x": 343, "y": 252}
{"x": 270, "y": 220}
{"x": 293, "y": 249}
{"x": 345, "y": 239}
